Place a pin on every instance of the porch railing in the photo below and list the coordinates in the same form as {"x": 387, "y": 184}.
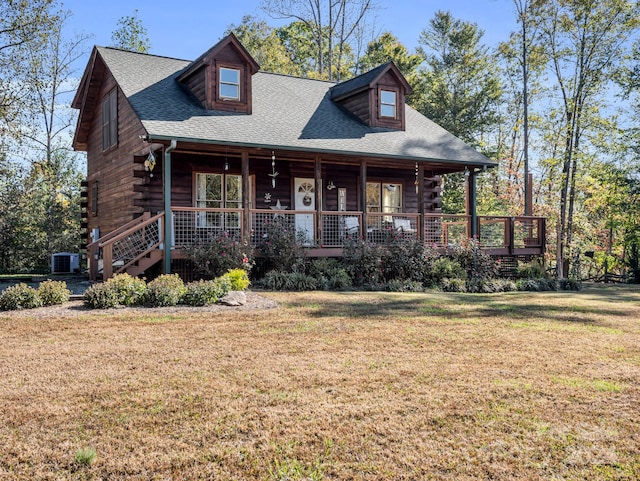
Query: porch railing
{"x": 193, "y": 226}
{"x": 135, "y": 243}
{"x": 497, "y": 233}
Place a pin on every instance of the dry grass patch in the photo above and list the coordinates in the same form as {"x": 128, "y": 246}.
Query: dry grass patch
{"x": 361, "y": 386}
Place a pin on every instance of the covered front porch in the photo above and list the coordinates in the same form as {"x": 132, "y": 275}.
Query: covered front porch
{"x": 141, "y": 243}
{"x": 328, "y": 200}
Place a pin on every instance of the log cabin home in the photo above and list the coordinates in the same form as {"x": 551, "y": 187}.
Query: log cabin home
{"x": 180, "y": 152}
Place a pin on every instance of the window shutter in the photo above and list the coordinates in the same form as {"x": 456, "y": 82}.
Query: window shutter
{"x": 113, "y": 118}
{"x": 105, "y": 124}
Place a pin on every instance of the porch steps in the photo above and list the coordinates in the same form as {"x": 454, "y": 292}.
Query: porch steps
{"x": 144, "y": 263}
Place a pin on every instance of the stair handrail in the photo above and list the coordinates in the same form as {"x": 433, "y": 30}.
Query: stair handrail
{"x": 106, "y": 243}
{"x": 122, "y": 228}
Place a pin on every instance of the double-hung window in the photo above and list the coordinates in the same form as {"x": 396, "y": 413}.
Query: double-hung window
{"x": 110, "y": 120}
{"x": 219, "y": 191}
{"x": 229, "y": 83}
{"x": 388, "y": 103}
{"x": 383, "y": 197}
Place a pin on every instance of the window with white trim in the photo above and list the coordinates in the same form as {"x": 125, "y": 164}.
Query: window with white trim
{"x": 229, "y": 83}
{"x": 388, "y": 103}
{"x": 219, "y": 191}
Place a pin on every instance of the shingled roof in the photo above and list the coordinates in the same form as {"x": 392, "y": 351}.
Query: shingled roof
{"x": 288, "y": 113}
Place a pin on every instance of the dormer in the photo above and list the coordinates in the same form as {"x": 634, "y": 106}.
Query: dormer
{"x": 221, "y": 78}
{"x": 376, "y": 97}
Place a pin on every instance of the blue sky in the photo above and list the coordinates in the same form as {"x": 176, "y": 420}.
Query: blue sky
{"x": 185, "y": 30}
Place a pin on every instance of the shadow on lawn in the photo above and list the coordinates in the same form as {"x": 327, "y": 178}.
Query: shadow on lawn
{"x": 588, "y": 308}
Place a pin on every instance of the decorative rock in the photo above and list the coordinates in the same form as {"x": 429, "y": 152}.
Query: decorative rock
{"x": 234, "y": 298}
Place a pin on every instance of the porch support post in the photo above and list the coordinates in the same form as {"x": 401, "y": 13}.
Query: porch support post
{"x": 318, "y": 189}
{"x": 246, "y": 201}
{"x": 472, "y": 204}
{"x": 420, "y": 194}
{"x": 168, "y": 224}
{"x": 363, "y": 197}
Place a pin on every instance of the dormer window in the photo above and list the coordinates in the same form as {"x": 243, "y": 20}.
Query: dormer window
{"x": 229, "y": 83}
{"x": 388, "y": 104}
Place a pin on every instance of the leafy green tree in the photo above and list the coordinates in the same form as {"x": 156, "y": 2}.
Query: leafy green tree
{"x": 329, "y": 28}
{"x": 49, "y": 206}
{"x": 264, "y": 44}
{"x": 387, "y": 48}
{"x": 21, "y": 23}
{"x": 459, "y": 88}
{"x": 583, "y": 40}
{"x": 523, "y": 63}
{"x": 131, "y": 34}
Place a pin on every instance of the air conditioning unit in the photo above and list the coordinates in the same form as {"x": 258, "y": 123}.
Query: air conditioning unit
{"x": 65, "y": 263}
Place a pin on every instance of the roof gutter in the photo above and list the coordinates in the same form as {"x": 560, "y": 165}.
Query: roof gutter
{"x": 482, "y": 164}
{"x": 166, "y": 183}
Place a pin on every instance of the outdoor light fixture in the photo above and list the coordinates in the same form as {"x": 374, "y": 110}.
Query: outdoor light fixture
{"x": 226, "y": 164}
{"x": 466, "y": 172}
{"x": 273, "y": 173}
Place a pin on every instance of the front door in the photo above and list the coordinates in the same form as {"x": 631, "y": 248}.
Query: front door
{"x": 305, "y": 199}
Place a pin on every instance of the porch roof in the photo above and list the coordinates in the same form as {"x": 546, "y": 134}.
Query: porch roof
{"x": 288, "y": 113}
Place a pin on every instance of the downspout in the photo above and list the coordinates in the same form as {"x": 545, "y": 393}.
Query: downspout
{"x": 166, "y": 175}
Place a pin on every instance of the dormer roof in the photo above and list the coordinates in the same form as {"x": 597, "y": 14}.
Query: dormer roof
{"x": 369, "y": 80}
{"x": 230, "y": 41}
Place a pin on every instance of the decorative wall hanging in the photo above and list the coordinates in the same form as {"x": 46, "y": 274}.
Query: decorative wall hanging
{"x": 306, "y": 200}
{"x": 267, "y": 198}
{"x": 273, "y": 173}
{"x": 150, "y": 163}
{"x": 331, "y": 185}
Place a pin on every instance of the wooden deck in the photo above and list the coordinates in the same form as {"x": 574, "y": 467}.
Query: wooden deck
{"x": 134, "y": 246}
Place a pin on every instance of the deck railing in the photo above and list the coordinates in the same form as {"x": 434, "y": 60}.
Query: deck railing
{"x": 443, "y": 230}
{"x": 192, "y": 226}
{"x": 497, "y": 233}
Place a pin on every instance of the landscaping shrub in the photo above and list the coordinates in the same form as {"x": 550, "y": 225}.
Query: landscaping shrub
{"x": 289, "y": 281}
{"x": 165, "y": 290}
{"x": 238, "y": 279}
{"x": 221, "y": 254}
{"x": 569, "y": 284}
{"x": 406, "y": 259}
{"x": 444, "y": 268}
{"x": 282, "y": 248}
{"x": 364, "y": 262}
{"x": 101, "y": 296}
{"x": 129, "y": 290}
{"x": 531, "y": 270}
{"x": 407, "y": 285}
{"x": 19, "y": 296}
{"x": 537, "y": 285}
{"x": 477, "y": 263}
{"x": 204, "y": 292}
{"x": 53, "y": 292}
{"x": 336, "y": 279}
{"x": 453, "y": 285}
